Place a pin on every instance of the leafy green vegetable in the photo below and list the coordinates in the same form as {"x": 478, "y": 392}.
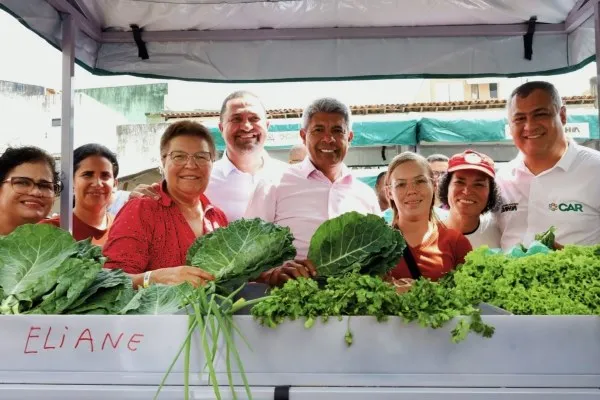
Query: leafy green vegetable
{"x": 559, "y": 282}
{"x": 88, "y": 251}
{"x": 352, "y": 240}
{"x": 241, "y": 251}
{"x": 109, "y": 293}
{"x": 429, "y": 303}
{"x": 157, "y": 300}
{"x": 547, "y": 238}
{"x": 30, "y": 260}
{"x": 75, "y": 275}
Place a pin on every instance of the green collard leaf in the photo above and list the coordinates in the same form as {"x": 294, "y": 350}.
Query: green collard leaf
{"x": 354, "y": 240}
{"x": 111, "y": 290}
{"x": 242, "y": 251}
{"x": 30, "y": 260}
{"x": 88, "y": 251}
{"x": 156, "y": 300}
{"x": 75, "y": 276}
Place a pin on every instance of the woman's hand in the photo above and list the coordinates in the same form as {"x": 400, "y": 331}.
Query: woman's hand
{"x": 177, "y": 275}
{"x": 289, "y": 270}
{"x": 143, "y": 190}
{"x": 402, "y": 285}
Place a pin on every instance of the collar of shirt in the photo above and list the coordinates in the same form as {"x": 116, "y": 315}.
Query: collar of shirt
{"x": 226, "y": 167}
{"x": 166, "y": 200}
{"x": 564, "y": 163}
{"x": 307, "y": 168}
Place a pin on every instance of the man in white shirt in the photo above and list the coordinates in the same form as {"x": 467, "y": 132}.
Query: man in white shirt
{"x": 244, "y": 125}
{"x": 317, "y": 189}
{"x": 553, "y": 181}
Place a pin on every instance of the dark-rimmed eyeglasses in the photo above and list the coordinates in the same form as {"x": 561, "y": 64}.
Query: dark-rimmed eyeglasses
{"x": 24, "y": 185}
{"x": 182, "y": 158}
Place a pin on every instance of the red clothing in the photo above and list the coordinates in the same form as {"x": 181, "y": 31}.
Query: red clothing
{"x": 82, "y": 231}
{"x": 438, "y": 255}
{"x": 151, "y": 234}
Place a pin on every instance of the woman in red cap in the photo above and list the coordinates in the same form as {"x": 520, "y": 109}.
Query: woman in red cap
{"x": 470, "y": 191}
{"x": 433, "y": 249}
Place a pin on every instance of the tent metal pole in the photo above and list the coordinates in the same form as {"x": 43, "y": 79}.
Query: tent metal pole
{"x": 66, "y": 143}
{"x": 597, "y": 43}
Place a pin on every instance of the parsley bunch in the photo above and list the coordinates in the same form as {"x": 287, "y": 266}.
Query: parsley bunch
{"x": 353, "y": 294}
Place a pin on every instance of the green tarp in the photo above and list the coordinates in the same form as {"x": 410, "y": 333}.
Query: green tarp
{"x": 380, "y": 130}
{"x": 491, "y": 127}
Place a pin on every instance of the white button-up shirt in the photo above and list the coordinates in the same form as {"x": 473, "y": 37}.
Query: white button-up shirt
{"x": 305, "y": 198}
{"x": 566, "y": 196}
{"x": 230, "y": 189}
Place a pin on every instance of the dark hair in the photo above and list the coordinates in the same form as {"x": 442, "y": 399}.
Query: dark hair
{"x": 94, "y": 149}
{"x": 494, "y": 198}
{"x": 15, "y": 156}
{"x": 525, "y": 90}
{"x": 240, "y": 94}
{"x": 187, "y": 128}
{"x": 437, "y": 157}
{"x": 380, "y": 177}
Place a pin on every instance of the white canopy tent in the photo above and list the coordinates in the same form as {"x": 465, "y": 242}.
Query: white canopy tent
{"x": 287, "y": 40}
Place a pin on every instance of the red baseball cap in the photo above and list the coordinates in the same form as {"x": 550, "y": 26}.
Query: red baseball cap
{"x": 471, "y": 159}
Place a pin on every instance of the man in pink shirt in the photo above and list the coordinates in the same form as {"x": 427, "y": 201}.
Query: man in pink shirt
{"x": 317, "y": 189}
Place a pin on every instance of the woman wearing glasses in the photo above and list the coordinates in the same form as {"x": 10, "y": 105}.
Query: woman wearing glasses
{"x": 95, "y": 170}
{"x": 150, "y": 237}
{"x": 433, "y": 249}
{"x": 29, "y": 184}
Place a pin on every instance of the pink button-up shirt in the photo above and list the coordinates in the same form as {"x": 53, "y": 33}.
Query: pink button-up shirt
{"x": 305, "y": 198}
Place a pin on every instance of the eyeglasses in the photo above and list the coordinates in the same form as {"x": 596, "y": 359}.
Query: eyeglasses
{"x": 24, "y": 185}
{"x": 182, "y": 158}
{"x": 402, "y": 185}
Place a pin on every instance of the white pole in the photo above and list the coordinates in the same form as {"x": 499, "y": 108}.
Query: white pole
{"x": 66, "y": 145}
{"x": 597, "y": 43}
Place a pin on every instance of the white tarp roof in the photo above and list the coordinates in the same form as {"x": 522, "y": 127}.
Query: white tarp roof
{"x": 250, "y": 40}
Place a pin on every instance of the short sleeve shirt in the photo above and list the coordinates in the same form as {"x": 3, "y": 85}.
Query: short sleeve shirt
{"x": 150, "y": 234}
{"x": 567, "y": 196}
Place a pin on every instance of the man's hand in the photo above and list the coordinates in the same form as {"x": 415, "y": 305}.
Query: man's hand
{"x": 177, "y": 275}
{"x": 142, "y": 190}
{"x": 289, "y": 270}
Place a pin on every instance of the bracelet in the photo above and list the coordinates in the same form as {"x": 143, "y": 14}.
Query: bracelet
{"x": 146, "y": 282}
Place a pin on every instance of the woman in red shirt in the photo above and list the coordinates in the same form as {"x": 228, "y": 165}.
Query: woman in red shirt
{"x": 433, "y": 250}
{"x": 95, "y": 171}
{"x": 150, "y": 237}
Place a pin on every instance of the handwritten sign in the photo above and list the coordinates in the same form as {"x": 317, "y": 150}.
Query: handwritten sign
{"x": 53, "y": 338}
{"x": 60, "y": 344}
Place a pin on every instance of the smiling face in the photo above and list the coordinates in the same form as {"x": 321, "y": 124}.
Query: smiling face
{"x": 468, "y": 192}
{"x": 411, "y": 190}
{"x": 327, "y": 139}
{"x": 244, "y": 125}
{"x": 28, "y": 208}
{"x": 94, "y": 183}
{"x": 187, "y": 181}
{"x": 536, "y": 124}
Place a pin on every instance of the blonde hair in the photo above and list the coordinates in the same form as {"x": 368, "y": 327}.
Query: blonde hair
{"x": 403, "y": 158}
